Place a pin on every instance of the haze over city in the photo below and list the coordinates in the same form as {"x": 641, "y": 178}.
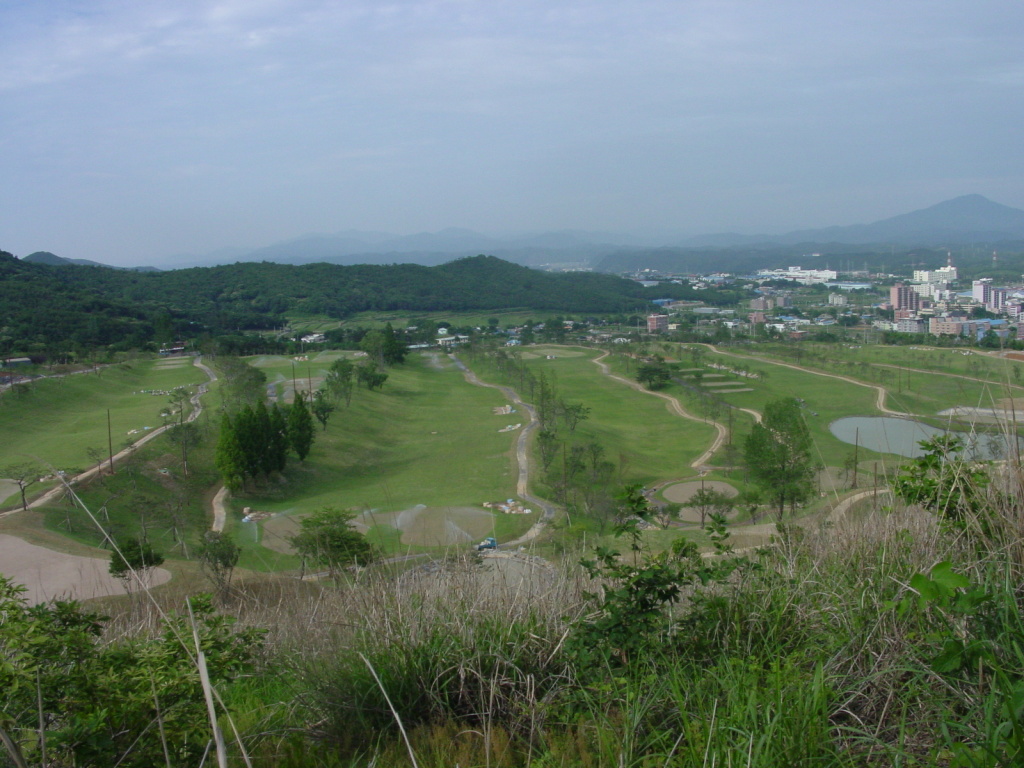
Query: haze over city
{"x": 133, "y": 132}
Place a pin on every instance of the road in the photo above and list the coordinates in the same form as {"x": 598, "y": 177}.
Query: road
{"x": 55, "y": 493}
{"x": 522, "y": 457}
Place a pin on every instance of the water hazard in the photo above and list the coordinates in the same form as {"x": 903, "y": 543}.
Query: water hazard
{"x": 886, "y": 434}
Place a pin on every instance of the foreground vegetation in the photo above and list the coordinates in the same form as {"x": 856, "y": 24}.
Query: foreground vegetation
{"x": 892, "y": 640}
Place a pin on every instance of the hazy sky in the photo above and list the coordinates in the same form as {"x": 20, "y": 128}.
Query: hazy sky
{"x": 131, "y": 130}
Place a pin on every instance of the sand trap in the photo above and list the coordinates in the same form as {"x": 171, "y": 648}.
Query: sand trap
{"x": 50, "y": 574}
{"x": 555, "y": 353}
{"x": 420, "y": 526}
{"x": 680, "y": 493}
{"x": 731, "y": 391}
{"x": 984, "y": 415}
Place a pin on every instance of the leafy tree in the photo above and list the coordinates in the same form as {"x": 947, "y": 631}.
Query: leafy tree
{"x": 132, "y": 560}
{"x": 547, "y": 443}
{"x": 300, "y": 427}
{"x": 340, "y": 380}
{"x": 218, "y": 557}
{"x": 186, "y": 436}
{"x": 371, "y": 376}
{"x": 322, "y": 407}
{"x": 327, "y": 537}
{"x": 778, "y": 454}
{"x": 654, "y": 375}
{"x": 708, "y": 501}
{"x": 573, "y": 414}
{"x": 631, "y": 617}
{"x": 24, "y": 475}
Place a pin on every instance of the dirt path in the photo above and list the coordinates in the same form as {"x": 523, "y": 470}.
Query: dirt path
{"x": 879, "y": 402}
{"x": 54, "y": 494}
{"x": 48, "y": 573}
{"x": 522, "y": 457}
{"x": 700, "y": 463}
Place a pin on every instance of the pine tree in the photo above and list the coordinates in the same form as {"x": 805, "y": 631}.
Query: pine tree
{"x": 301, "y": 431}
{"x": 229, "y": 458}
{"x": 278, "y": 438}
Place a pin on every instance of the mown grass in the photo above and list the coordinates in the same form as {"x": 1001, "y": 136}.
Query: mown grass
{"x": 54, "y": 422}
{"x": 428, "y": 437}
{"x": 646, "y": 440}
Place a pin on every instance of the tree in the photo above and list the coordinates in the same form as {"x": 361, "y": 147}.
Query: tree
{"x": 322, "y": 407}
{"x": 653, "y": 375}
{"x": 371, "y": 376}
{"x": 132, "y": 560}
{"x": 573, "y": 414}
{"x": 778, "y": 454}
{"x": 327, "y": 537}
{"x": 547, "y": 443}
{"x": 218, "y": 557}
{"x": 229, "y": 457}
{"x": 300, "y": 427}
{"x": 708, "y": 501}
{"x": 23, "y": 475}
{"x": 340, "y": 380}
{"x": 186, "y": 436}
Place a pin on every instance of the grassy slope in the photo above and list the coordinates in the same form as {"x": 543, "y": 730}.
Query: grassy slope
{"x": 427, "y": 438}
{"x": 58, "y": 420}
{"x": 638, "y": 431}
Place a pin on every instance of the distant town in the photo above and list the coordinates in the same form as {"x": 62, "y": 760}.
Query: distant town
{"x": 795, "y": 303}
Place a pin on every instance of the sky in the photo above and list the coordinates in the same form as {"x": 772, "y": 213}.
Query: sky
{"x": 132, "y": 131}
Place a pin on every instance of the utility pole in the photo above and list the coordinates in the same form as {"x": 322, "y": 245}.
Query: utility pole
{"x": 110, "y": 443}
{"x": 856, "y": 446}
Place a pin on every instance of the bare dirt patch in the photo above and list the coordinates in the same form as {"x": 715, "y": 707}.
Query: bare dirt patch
{"x": 50, "y": 574}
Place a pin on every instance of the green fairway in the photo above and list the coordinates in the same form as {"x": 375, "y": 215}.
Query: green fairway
{"x": 56, "y": 421}
{"x": 428, "y": 438}
{"x": 638, "y": 431}
{"x": 825, "y": 399}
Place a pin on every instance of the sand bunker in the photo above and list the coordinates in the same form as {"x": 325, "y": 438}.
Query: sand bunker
{"x": 984, "y": 415}
{"x": 680, "y": 493}
{"x": 49, "y": 574}
{"x": 420, "y": 526}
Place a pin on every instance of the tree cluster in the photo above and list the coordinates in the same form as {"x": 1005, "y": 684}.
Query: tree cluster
{"x": 254, "y": 443}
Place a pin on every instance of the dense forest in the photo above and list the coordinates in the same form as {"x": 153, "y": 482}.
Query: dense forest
{"x": 48, "y": 309}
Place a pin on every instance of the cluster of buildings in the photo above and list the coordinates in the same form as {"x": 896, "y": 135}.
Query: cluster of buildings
{"x": 930, "y": 304}
{"x": 799, "y": 274}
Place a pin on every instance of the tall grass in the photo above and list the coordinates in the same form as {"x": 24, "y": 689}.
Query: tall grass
{"x": 805, "y": 658}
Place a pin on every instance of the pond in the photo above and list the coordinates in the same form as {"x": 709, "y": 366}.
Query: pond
{"x": 886, "y": 434}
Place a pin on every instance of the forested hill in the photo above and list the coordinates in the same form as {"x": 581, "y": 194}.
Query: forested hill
{"x": 85, "y": 306}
